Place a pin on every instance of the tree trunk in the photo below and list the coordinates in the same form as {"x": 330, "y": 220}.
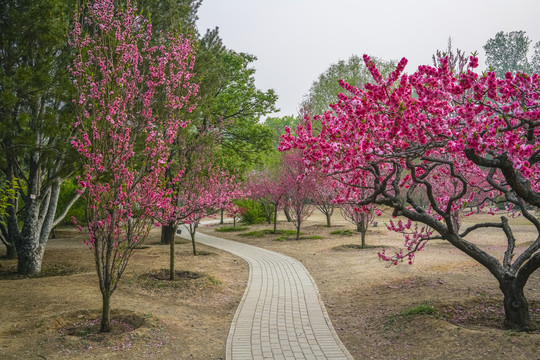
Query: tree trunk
{"x": 221, "y": 216}
{"x": 275, "y": 219}
{"x": 36, "y": 228}
{"x": 234, "y": 221}
{"x": 328, "y": 219}
{"x": 193, "y": 243}
{"x": 29, "y": 260}
{"x": 168, "y": 232}
{"x": 287, "y": 215}
{"x": 192, "y": 231}
{"x": 516, "y": 308}
{"x": 105, "y": 312}
{"x": 361, "y": 227}
{"x": 11, "y": 252}
{"x": 298, "y": 232}
{"x": 171, "y": 262}
{"x": 269, "y": 216}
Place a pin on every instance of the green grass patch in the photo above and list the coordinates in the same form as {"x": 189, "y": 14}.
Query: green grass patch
{"x": 256, "y": 233}
{"x": 418, "y": 310}
{"x": 264, "y": 232}
{"x": 422, "y": 309}
{"x": 231, "y": 228}
{"x": 346, "y": 232}
{"x": 293, "y": 237}
{"x": 312, "y": 237}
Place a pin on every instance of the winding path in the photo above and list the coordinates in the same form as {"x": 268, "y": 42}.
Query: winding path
{"x": 281, "y": 315}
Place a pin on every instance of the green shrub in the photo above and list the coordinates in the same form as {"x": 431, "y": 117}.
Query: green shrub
{"x": 255, "y": 213}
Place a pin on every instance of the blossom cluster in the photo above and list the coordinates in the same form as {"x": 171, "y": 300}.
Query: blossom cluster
{"x": 430, "y": 144}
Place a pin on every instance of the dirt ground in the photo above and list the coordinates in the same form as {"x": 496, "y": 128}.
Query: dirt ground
{"x": 444, "y": 306}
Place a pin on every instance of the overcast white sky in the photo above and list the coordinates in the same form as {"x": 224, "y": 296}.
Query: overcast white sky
{"x": 296, "y": 40}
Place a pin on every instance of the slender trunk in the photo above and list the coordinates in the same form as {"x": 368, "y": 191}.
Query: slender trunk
{"x": 269, "y": 216}
{"x": 328, "y": 219}
{"x": 287, "y": 214}
{"x": 516, "y": 308}
{"x": 106, "y": 312}
{"x": 234, "y": 221}
{"x": 11, "y": 230}
{"x": 171, "y": 262}
{"x": 298, "y": 232}
{"x": 192, "y": 231}
{"x": 168, "y": 233}
{"x": 361, "y": 227}
{"x": 275, "y": 219}
{"x": 221, "y": 216}
{"x": 193, "y": 243}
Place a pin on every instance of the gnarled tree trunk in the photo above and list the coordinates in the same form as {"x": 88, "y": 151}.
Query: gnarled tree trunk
{"x": 516, "y": 307}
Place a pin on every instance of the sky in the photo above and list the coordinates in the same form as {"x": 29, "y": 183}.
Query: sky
{"x": 297, "y": 40}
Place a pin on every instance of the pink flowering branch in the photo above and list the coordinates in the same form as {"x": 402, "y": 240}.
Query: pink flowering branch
{"x": 130, "y": 97}
{"x": 430, "y": 144}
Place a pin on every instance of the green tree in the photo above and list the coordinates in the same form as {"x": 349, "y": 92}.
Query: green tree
{"x": 167, "y": 15}
{"x": 278, "y": 124}
{"x": 326, "y": 88}
{"x": 225, "y": 123}
{"x": 231, "y": 103}
{"x": 535, "y": 62}
{"x": 35, "y": 116}
{"x": 507, "y": 52}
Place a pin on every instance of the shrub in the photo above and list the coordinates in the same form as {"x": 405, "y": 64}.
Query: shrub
{"x": 254, "y": 214}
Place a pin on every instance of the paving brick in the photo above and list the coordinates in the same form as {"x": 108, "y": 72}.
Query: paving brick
{"x": 281, "y": 315}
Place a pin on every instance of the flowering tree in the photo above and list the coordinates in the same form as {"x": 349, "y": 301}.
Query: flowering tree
{"x": 260, "y": 185}
{"x": 268, "y": 187}
{"x": 204, "y": 190}
{"x": 478, "y": 132}
{"x": 324, "y": 193}
{"x": 235, "y": 211}
{"x": 300, "y": 189}
{"x": 130, "y": 94}
{"x": 361, "y": 217}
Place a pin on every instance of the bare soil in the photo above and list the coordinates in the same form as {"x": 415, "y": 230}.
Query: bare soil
{"x": 444, "y": 306}
{"x": 56, "y": 315}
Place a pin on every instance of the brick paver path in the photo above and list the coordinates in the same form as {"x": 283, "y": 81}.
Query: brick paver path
{"x": 281, "y": 315}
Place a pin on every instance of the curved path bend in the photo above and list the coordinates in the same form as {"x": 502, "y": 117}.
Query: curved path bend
{"x": 281, "y": 315}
